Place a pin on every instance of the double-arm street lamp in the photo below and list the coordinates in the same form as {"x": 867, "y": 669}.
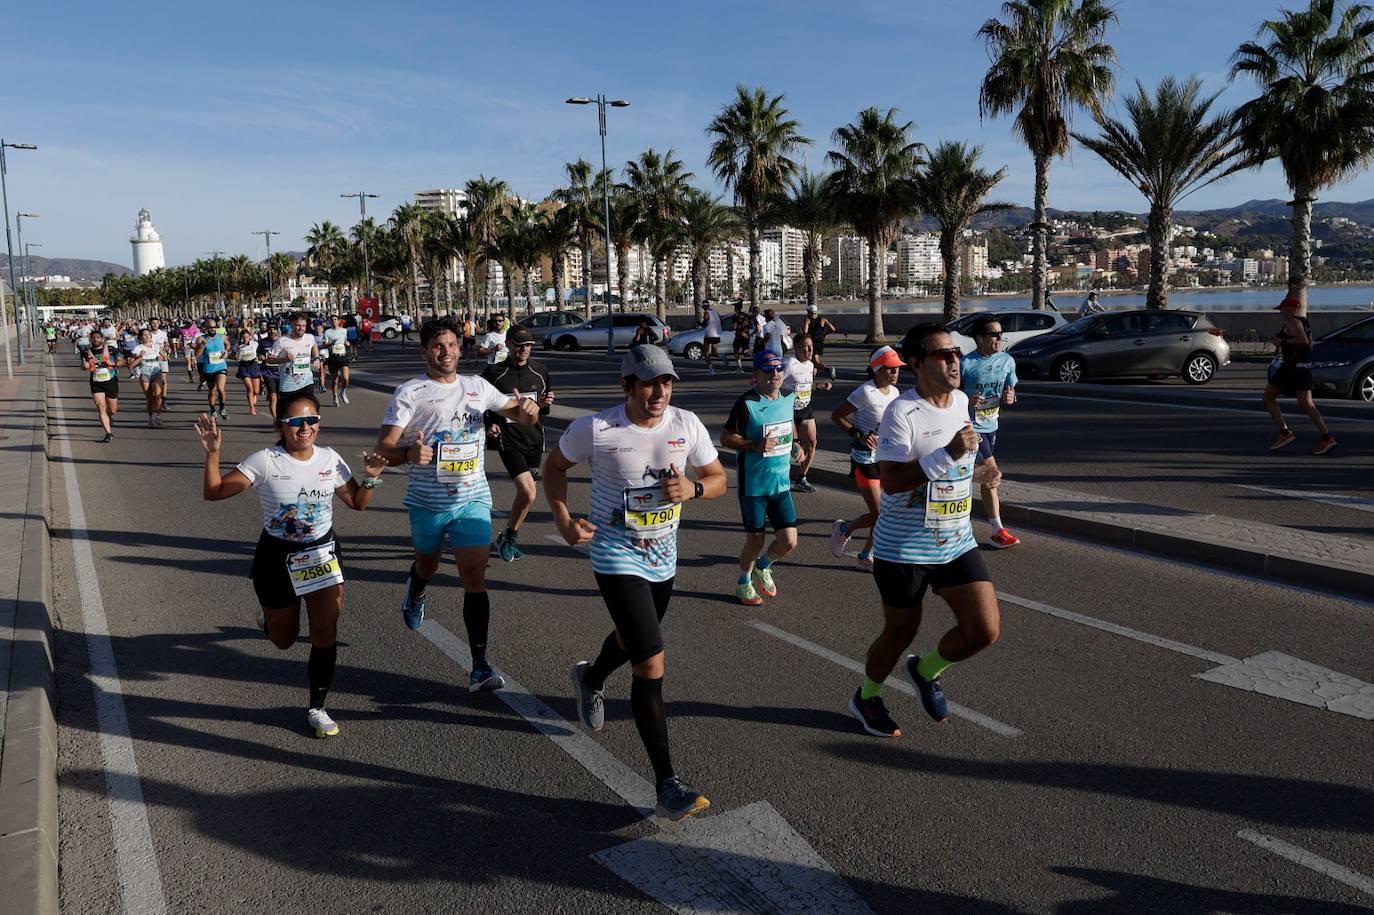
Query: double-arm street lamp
{"x": 31, "y": 309}
{"x": 601, "y": 102}
{"x": 9, "y": 249}
{"x": 267, "y": 237}
{"x": 29, "y": 286}
{"x": 362, "y": 233}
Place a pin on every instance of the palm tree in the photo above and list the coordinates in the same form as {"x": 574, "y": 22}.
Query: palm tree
{"x": 871, "y": 189}
{"x": 582, "y": 200}
{"x": 560, "y": 233}
{"x": 1170, "y": 149}
{"x": 658, "y": 184}
{"x": 325, "y": 249}
{"x": 952, "y": 189}
{"x": 1048, "y": 57}
{"x": 488, "y": 200}
{"x": 435, "y": 256}
{"x": 1315, "y": 113}
{"x": 408, "y": 221}
{"x": 808, "y": 208}
{"x": 754, "y": 139}
{"x": 707, "y": 223}
{"x": 624, "y": 232}
{"x": 283, "y": 269}
{"x": 460, "y": 240}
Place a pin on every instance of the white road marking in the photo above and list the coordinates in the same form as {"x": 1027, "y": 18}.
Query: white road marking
{"x": 1257, "y": 412}
{"x": 140, "y": 879}
{"x": 558, "y": 539}
{"x": 745, "y": 860}
{"x": 1310, "y": 861}
{"x": 820, "y": 651}
{"x": 1340, "y": 500}
{"x": 1270, "y": 674}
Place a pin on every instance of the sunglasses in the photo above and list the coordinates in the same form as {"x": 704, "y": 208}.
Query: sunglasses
{"x": 947, "y": 354}
{"x": 772, "y": 369}
{"x": 296, "y": 422}
{"x": 997, "y": 334}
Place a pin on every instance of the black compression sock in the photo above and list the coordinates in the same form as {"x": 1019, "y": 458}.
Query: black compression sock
{"x": 646, "y": 702}
{"x": 417, "y": 584}
{"x": 611, "y": 658}
{"x": 320, "y": 670}
{"x": 476, "y": 616}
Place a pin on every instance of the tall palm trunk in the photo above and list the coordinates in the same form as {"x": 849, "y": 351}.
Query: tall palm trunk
{"x": 587, "y": 280}
{"x": 1300, "y": 264}
{"x": 875, "y": 314}
{"x": 697, "y": 267}
{"x": 529, "y": 291}
{"x": 470, "y": 287}
{"x": 1158, "y": 226}
{"x": 809, "y": 263}
{"x": 1040, "y": 234}
{"x": 950, "y": 249}
{"x": 622, "y": 278}
{"x": 730, "y": 268}
{"x": 755, "y": 252}
{"x": 661, "y": 287}
{"x": 508, "y": 276}
{"x": 414, "y": 284}
{"x": 560, "y": 280}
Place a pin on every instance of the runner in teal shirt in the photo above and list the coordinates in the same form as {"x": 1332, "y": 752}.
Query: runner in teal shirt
{"x": 989, "y": 380}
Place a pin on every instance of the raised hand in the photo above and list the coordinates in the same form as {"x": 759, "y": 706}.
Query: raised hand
{"x": 419, "y": 452}
{"x": 374, "y": 464}
{"x": 207, "y": 430}
{"x": 964, "y": 442}
{"x": 677, "y": 488}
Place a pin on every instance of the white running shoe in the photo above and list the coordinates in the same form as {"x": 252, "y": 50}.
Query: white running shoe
{"x": 839, "y": 539}
{"x": 322, "y": 724}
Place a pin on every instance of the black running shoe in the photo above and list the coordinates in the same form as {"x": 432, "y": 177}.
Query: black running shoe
{"x": 872, "y": 714}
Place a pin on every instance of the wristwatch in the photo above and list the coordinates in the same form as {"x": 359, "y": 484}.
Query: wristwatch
{"x": 698, "y": 489}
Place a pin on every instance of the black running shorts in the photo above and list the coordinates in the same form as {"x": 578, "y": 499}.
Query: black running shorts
{"x": 637, "y": 606}
{"x": 522, "y": 460}
{"x": 903, "y": 585}
{"x": 271, "y": 581}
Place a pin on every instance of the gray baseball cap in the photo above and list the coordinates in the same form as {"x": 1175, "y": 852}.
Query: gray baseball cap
{"x": 646, "y": 363}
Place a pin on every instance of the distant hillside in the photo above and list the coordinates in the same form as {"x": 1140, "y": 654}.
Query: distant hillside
{"x": 75, "y": 267}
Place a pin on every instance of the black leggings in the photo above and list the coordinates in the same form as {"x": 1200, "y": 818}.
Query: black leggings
{"x": 637, "y": 606}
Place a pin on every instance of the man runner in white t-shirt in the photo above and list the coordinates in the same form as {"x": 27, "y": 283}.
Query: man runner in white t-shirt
{"x": 923, "y": 539}
{"x": 710, "y": 347}
{"x": 639, "y": 453}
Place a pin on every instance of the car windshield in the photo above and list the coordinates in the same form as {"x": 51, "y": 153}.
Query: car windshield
{"x": 1076, "y": 327}
{"x": 1361, "y": 332}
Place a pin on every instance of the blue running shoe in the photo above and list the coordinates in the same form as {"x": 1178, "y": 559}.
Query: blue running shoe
{"x": 413, "y": 609}
{"x": 932, "y": 696}
{"x": 507, "y": 547}
{"x": 483, "y": 680}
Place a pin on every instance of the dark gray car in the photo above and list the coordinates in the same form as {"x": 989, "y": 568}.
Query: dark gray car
{"x": 1150, "y": 343}
{"x": 1343, "y": 361}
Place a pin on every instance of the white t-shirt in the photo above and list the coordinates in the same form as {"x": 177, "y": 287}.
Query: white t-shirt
{"x": 497, "y": 339}
{"x": 295, "y": 374}
{"x": 931, "y": 525}
{"x": 151, "y": 356}
{"x": 869, "y": 406}
{"x": 450, "y": 418}
{"x": 160, "y": 339}
{"x": 798, "y": 378}
{"x": 636, "y": 529}
{"x": 297, "y": 496}
{"x": 712, "y": 323}
{"x": 774, "y": 331}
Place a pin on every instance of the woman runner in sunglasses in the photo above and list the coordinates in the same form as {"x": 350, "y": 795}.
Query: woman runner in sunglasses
{"x": 297, "y": 554}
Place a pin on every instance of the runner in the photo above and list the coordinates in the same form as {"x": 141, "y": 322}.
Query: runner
{"x": 211, "y": 353}
{"x": 50, "y": 335}
{"x": 147, "y": 359}
{"x": 469, "y": 337}
{"x": 250, "y": 369}
{"x": 759, "y": 429}
{"x": 710, "y": 351}
{"x": 989, "y": 382}
{"x": 740, "y": 325}
{"x": 639, "y": 452}
{"x": 297, "y": 355}
{"x": 270, "y": 371}
{"x": 775, "y": 330}
{"x": 799, "y": 379}
{"x": 188, "y": 334}
{"x": 103, "y": 364}
{"x": 336, "y": 343}
{"x": 859, "y": 417}
{"x": 434, "y": 424}
{"x": 297, "y": 555}
{"x": 1293, "y": 377}
{"x": 521, "y": 447}
{"x": 818, "y": 327}
{"x": 493, "y": 345}
{"x": 924, "y": 537}
{"x": 162, "y": 340}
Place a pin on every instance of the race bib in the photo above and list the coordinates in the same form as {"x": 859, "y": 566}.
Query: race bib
{"x": 648, "y": 514}
{"x": 459, "y": 463}
{"x": 215, "y": 358}
{"x": 102, "y": 374}
{"x": 338, "y": 348}
{"x": 986, "y": 414}
{"x": 803, "y": 396}
{"x": 248, "y": 353}
{"x": 948, "y": 503}
{"x": 300, "y": 364}
{"x": 314, "y": 569}
{"x": 781, "y": 433}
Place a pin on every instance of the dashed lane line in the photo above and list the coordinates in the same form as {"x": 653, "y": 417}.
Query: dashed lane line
{"x": 1309, "y": 860}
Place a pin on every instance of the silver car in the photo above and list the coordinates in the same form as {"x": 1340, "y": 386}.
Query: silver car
{"x": 592, "y": 334}
{"x": 1152, "y": 343}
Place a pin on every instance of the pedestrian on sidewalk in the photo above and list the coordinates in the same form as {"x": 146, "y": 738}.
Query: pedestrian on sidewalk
{"x": 1293, "y": 377}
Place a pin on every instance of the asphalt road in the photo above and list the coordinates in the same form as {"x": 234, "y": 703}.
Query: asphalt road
{"x": 1130, "y": 786}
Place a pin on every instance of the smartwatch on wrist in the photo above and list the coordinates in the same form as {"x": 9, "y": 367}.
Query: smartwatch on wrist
{"x": 698, "y": 489}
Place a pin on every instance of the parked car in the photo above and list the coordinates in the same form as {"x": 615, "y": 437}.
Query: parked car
{"x": 1343, "y": 361}
{"x": 1016, "y": 326}
{"x": 592, "y": 334}
{"x": 691, "y": 344}
{"x": 542, "y": 324}
{"x": 1152, "y": 343}
{"x": 389, "y": 326}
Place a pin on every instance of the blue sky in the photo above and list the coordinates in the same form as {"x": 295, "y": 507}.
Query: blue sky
{"x": 226, "y": 119}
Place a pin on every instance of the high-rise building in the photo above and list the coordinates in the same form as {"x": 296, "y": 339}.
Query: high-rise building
{"x": 848, "y": 265}
{"x": 791, "y": 245}
{"x": 918, "y": 259}
{"x": 974, "y": 260}
{"x": 147, "y": 244}
{"x": 720, "y": 263}
{"x": 451, "y": 200}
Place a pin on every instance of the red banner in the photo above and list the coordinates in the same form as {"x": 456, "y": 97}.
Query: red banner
{"x": 367, "y": 308}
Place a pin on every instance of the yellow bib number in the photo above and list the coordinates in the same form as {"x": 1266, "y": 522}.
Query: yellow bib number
{"x": 459, "y": 463}
{"x": 314, "y": 570}
{"x": 948, "y": 503}
{"x": 648, "y": 515}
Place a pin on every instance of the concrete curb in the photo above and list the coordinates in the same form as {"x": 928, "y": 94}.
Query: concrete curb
{"x": 28, "y": 780}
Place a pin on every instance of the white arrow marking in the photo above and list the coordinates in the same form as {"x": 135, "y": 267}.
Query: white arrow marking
{"x": 1340, "y": 500}
{"x": 747, "y": 860}
{"x": 1309, "y": 860}
{"x": 1271, "y": 673}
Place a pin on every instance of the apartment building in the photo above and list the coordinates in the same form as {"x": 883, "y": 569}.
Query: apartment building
{"x": 918, "y": 259}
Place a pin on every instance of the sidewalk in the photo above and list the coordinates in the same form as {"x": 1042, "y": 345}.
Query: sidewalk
{"x": 28, "y": 730}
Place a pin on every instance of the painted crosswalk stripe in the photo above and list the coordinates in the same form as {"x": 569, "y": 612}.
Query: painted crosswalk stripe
{"x": 1340, "y": 500}
{"x": 1309, "y": 860}
{"x": 820, "y": 651}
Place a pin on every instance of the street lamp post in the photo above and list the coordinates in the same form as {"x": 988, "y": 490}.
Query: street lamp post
{"x": 362, "y": 233}
{"x": 31, "y": 306}
{"x": 9, "y": 249}
{"x": 267, "y": 237}
{"x": 600, "y": 101}
{"x": 28, "y": 267}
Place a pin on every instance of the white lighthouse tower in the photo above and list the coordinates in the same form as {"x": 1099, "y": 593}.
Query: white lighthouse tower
{"x": 147, "y": 246}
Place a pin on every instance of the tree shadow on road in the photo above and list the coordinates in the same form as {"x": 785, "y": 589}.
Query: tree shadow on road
{"x": 1137, "y": 894}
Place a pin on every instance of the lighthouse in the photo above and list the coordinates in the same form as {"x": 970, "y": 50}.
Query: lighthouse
{"x": 147, "y": 246}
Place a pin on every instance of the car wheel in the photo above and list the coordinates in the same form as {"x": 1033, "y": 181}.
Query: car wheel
{"x": 1363, "y": 388}
{"x": 1199, "y": 368}
{"x": 567, "y": 344}
{"x": 694, "y": 351}
{"x": 1069, "y": 370}
{"x": 389, "y": 334}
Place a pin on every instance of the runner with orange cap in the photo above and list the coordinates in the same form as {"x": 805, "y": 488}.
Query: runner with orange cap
{"x": 1293, "y": 376}
{"x": 859, "y": 417}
